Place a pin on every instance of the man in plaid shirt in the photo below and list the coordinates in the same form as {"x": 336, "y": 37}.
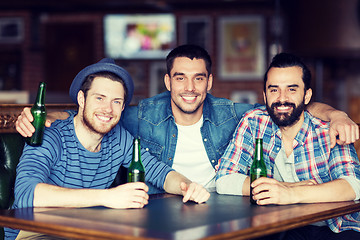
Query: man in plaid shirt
{"x": 301, "y": 165}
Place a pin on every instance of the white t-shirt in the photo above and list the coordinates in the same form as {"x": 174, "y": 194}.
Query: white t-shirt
{"x": 190, "y": 157}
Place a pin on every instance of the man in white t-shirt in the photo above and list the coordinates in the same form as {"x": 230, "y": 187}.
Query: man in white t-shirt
{"x": 191, "y": 158}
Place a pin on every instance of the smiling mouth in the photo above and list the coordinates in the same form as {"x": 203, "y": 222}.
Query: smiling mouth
{"x": 103, "y": 118}
{"x": 189, "y": 99}
{"x": 283, "y": 108}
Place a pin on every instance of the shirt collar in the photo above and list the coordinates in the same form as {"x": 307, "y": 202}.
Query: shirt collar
{"x": 300, "y": 137}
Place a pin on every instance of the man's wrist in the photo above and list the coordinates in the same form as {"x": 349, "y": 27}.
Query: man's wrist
{"x": 297, "y": 194}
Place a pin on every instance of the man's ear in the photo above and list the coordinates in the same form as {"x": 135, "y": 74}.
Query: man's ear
{"x": 264, "y": 96}
{"x": 81, "y": 98}
{"x": 210, "y": 82}
{"x": 308, "y": 95}
{"x": 167, "y": 82}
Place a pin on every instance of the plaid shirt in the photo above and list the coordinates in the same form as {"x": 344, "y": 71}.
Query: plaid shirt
{"x": 313, "y": 156}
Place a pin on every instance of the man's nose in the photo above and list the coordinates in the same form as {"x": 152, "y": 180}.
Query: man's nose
{"x": 283, "y": 96}
{"x": 189, "y": 85}
{"x": 107, "y": 106}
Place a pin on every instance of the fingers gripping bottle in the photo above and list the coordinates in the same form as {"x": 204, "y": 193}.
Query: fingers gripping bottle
{"x": 38, "y": 111}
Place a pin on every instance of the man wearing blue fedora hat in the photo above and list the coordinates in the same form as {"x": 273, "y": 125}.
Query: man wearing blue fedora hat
{"x": 189, "y": 129}
{"x": 81, "y": 155}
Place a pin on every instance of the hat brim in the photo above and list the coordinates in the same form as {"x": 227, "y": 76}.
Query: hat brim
{"x": 102, "y": 67}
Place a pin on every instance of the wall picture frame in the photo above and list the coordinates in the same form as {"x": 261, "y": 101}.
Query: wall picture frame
{"x": 243, "y": 96}
{"x": 196, "y": 30}
{"x": 241, "y": 49}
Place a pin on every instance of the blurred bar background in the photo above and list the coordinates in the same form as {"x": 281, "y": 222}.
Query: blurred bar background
{"x": 52, "y": 41}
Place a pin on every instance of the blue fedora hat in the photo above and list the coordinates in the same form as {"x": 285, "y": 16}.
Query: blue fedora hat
{"x": 104, "y": 65}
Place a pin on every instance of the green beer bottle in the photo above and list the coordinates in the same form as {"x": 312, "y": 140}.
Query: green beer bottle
{"x": 136, "y": 170}
{"x": 38, "y": 111}
{"x": 258, "y": 167}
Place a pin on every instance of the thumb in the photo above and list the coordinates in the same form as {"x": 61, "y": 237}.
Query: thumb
{"x": 47, "y": 123}
{"x": 333, "y": 135}
{"x": 183, "y": 187}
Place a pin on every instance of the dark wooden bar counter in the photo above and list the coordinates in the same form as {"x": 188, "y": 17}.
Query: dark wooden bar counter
{"x": 166, "y": 217}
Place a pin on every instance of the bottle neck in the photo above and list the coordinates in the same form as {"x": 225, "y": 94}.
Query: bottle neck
{"x": 258, "y": 149}
{"x": 136, "y": 150}
{"x": 40, "y": 97}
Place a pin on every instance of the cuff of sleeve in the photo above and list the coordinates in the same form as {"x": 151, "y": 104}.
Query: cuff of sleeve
{"x": 355, "y": 184}
{"x": 231, "y": 184}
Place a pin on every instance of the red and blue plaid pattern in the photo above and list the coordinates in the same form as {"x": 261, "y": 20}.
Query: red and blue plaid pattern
{"x": 313, "y": 156}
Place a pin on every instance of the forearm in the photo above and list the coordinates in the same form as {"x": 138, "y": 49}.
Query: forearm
{"x": 46, "y": 195}
{"x": 176, "y": 183}
{"x": 53, "y": 116}
{"x": 334, "y": 191}
{"x": 324, "y": 111}
{"x": 172, "y": 182}
{"x": 302, "y": 183}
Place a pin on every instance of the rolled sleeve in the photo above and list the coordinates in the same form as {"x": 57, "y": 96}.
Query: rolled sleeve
{"x": 231, "y": 184}
{"x": 344, "y": 164}
{"x": 355, "y": 184}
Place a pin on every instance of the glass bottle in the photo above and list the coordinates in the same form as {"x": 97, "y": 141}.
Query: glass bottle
{"x": 258, "y": 167}
{"x": 38, "y": 111}
{"x": 136, "y": 170}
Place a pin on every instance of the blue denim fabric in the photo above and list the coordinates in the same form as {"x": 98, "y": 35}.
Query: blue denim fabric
{"x": 152, "y": 120}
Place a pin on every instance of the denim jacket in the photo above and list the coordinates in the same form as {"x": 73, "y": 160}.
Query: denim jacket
{"x": 152, "y": 120}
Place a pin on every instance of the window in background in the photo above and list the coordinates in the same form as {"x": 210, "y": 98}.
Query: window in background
{"x": 11, "y": 30}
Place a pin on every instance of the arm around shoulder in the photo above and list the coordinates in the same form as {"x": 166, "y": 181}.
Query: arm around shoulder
{"x": 342, "y": 129}
{"x": 242, "y": 108}
{"x": 130, "y": 120}
{"x": 26, "y": 129}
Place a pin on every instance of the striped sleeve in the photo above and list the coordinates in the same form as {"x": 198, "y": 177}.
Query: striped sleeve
{"x": 33, "y": 168}
{"x": 155, "y": 170}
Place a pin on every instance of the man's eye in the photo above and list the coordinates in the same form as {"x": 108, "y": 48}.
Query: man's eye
{"x": 273, "y": 90}
{"x": 292, "y": 89}
{"x": 199, "y": 78}
{"x": 179, "y": 78}
{"x": 117, "y": 102}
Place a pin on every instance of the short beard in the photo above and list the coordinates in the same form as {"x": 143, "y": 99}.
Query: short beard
{"x": 285, "y": 119}
{"x": 188, "y": 112}
{"x": 90, "y": 126}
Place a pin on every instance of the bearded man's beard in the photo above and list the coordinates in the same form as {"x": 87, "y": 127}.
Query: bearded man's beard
{"x": 286, "y": 119}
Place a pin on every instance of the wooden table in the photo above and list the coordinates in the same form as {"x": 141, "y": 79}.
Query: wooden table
{"x": 166, "y": 217}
